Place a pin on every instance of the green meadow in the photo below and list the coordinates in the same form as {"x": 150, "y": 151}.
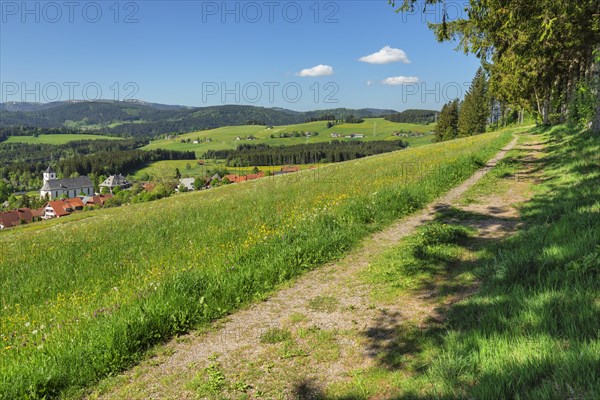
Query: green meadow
{"x": 80, "y": 300}
{"x": 225, "y": 138}
{"x": 191, "y": 168}
{"x": 56, "y": 139}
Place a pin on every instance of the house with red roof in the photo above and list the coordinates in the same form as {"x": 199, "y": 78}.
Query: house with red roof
{"x": 57, "y": 209}
{"x": 235, "y": 178}
{"x": 20, "y": 216}
{"x": 243, "y": 178}
{"x": 255, "y": 176}
{"x": 8, "y": 219}
{"x": 289, "y": 169}
{"x": 96, "y": 200}
{"x": 62, "y": 208}
{"x": 75, "y": 203}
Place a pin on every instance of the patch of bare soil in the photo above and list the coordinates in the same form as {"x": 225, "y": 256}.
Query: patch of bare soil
{"x": 328, "y": 312}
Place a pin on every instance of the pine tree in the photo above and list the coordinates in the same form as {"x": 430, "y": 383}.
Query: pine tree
{"x": 447, "y": 125}
{"x": 475, "y": 109}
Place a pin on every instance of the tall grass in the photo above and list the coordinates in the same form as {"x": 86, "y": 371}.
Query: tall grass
{"x": 81, "y": 300}
{"x": 533, "y": 329}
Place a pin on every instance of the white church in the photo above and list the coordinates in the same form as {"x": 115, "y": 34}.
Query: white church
{"x": 71, "y": 187}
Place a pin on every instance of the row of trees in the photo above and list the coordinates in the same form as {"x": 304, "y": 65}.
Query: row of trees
{"x": 36, "y": 131}
{"x": 325, "y": 117}
{"x": 469, "y": 117}
{"x": 22, "y": 165}
{"x": 118, "y": 162}
{"x": 542, "y": 56}
{"x": 413, "y": 116}
{"x": 335, "y": 151}
{"x": 23, "y": 201}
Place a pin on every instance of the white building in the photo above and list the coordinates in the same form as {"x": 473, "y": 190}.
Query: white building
{"x": 188, "y": 183}
{"x": 114, "y": 181}
{"x": 70, "y": 187}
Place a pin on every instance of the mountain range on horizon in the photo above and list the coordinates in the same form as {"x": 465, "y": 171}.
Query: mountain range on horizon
{"x": 145, "y": 119}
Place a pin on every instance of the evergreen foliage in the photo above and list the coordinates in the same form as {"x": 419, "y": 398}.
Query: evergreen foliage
{"x": 447, "y": 126}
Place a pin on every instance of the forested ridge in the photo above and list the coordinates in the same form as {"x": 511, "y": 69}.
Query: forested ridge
{"x": 141, "y": 120}
{"x": 413, "y": 116}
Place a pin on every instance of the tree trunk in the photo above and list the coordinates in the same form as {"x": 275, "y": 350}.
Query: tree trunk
{"x": 596, "y": 80}
{"x": 538, "y": 103}
{"x": 545, "y": 111}
{"x": 596, "y": 121}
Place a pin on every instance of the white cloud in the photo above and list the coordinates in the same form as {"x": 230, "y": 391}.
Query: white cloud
{"x": 400, "y": 80}
{"x": 385, "y": 56}
{"x": 319, "y": 70}
{"x": 369, "y": 83}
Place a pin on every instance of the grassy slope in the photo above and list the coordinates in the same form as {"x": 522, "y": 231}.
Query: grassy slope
{"x": 159, "y": 167}
{"x": 224, "y": 138}
{"x": 56, "y": 139}
{"x": 532, "y": 331}
{"x": 82, "y": 300}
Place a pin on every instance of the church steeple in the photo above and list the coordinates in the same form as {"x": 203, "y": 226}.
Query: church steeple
{"x": 49, "y": 174}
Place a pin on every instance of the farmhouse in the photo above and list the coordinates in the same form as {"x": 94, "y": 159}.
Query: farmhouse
{"x": 20, "y": 216}
{"x": 243, "y": 178}
{"x": 95, "y": 200}
{"x": 115, "y": 181}
{"x": 71, "y": 187}
{"x": 235, "y": 178}
{"x": 289, "y": 169}
{"x": 57, "y": 209}
{"x": 62, "y": 208}
{"x": 188, "y": 183}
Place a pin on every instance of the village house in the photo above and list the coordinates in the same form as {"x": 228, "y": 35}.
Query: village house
{"x": 243, "y": 178}
{"x": 114, "y": 181}
{"x": 289, "y": 169}
{"x": 188, "y": 183}
{"x": 235, "y": 178}
{"x": 75, "y": 204}
{"x": 9, "y": 219}
{"x": 62, "y": 208}
{"x": 57, "y": 209}
{"x": 96, "y": 200}
{"x": 70, "y": 187}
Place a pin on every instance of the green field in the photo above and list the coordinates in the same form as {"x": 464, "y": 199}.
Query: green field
{"x": 56, "y": 139}
{"x": 225, "y": 138}
{"x": 76, "y": 306}
{"x": 160, "y": 168}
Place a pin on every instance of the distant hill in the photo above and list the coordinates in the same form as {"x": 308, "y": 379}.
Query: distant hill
{"x": 15, "y": 106}
{"x": 142, "y": 119}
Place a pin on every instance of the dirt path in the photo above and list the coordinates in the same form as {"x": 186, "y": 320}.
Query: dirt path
{"x": 328, "y": 310}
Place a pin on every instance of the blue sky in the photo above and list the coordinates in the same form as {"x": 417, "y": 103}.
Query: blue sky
{"x": 201, "y": 53}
